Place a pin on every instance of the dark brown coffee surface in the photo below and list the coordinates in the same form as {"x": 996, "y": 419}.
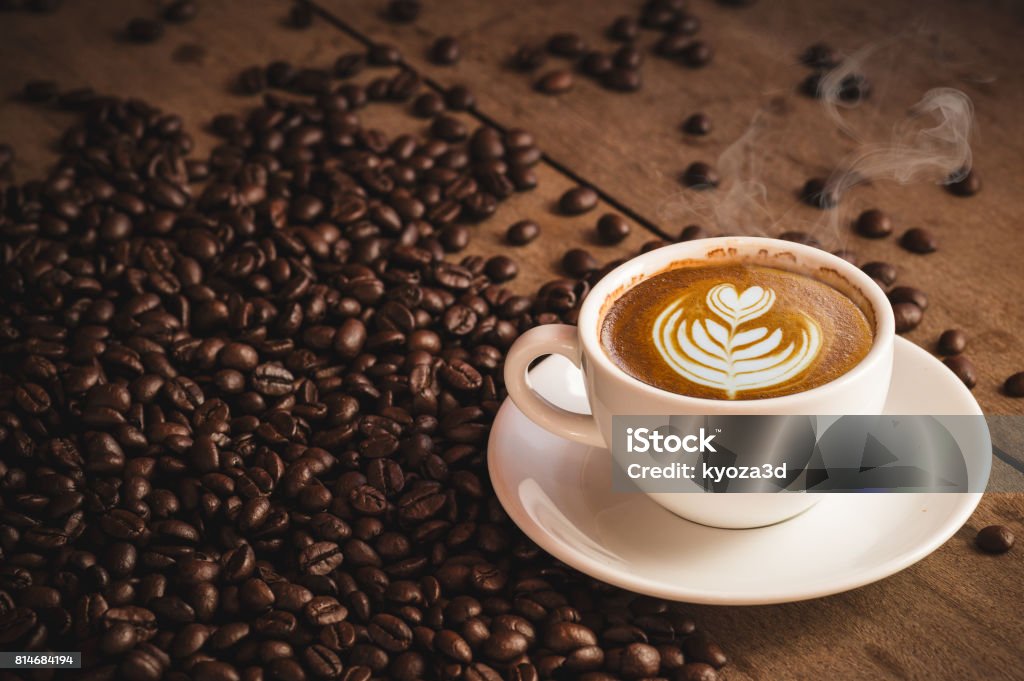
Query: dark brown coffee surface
{"x": 735, "y": 331}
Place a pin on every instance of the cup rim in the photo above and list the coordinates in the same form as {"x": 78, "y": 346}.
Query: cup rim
{"x": 618, "y": 279}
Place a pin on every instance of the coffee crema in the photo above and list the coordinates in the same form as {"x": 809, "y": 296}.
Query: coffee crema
{"x": 735, "y": 331}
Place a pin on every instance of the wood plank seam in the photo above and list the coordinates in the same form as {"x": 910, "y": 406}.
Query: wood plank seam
{"x": 475, "y": 112}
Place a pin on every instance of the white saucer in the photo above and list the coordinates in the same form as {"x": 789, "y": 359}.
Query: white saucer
{"x": 559, "y": 493}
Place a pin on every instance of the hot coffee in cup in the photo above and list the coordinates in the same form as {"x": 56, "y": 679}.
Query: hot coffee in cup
{"x": 734, "y": 331}
{"x": 729, "y": 326}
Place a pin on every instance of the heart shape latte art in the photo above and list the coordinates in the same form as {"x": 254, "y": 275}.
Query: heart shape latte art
{"x": 711, "y": 344}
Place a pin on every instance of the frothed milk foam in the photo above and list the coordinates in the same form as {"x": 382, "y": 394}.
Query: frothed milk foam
{"x": 735, "y": 331}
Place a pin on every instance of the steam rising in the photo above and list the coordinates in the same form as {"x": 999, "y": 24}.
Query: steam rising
{"x": 931, "y": 143}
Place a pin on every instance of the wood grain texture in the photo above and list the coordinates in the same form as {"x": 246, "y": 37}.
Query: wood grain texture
{"x": 631, "y": 145}
{"x": 956, "y": 614}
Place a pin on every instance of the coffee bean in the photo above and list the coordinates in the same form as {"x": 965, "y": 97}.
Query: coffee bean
{"x": 528, "y": 58}
{"x": 918, "y": 240}
{"x": 700, "y": 648}
{"x": 382, "y": 54}
{"x": 578, "y": 200}
{"x": 640, "y": 660}
{"x": 968, "y": 183}
{"x": 909, "y": 294}
{"x": 622, "y": 79}
{"x": 700, "y": 175}
{"x": 612, "y": 228}
{"x": 818, "y": 193}
{"x": 428, "y": 105}
{"x": 963, "y": 368}
{"x": 952, "y": 342}
{"x": 181, "y": 11}
{"x": 522, "y": 232}
{"x": 880, "y": 271}
{"x": 596, "y": 64}
{"x": 578, "y": 262}
{"x": 697, "y": 54}
{"x": 908, "y": 316}
{"x": 555, "y": 82}
{"x": 1014, "y": 385}
{"x": 566, "y": 45}
{"x": 624, "y": 28}
{"x": 820, "y": 56}
{"x": 696, "y": 671}
{"x": 697, "y": 124}
{"x": 459, "y": 98}
{"x": 628, "y": 57}
{"x": 995, "y": 539}
{"x": 252, "y": 81}
{"x": 501, "y": 268}
{"x": 445, "y": 51}
{"x": 142, "y": 30}
{"x": 403, "y": 11}
{"x": 692, "y": 232}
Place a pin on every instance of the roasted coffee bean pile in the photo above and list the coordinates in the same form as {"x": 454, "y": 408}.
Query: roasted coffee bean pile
{"x": 245, "y": 400}
{"x": 619, "y": 67}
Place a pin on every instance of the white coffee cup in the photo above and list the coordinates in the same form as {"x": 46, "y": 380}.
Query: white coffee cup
{"x": 613, "y": 392}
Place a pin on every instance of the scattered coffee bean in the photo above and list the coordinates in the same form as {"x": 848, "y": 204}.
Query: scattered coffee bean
{"x": 252, "y": 80}
{"x": 567, "y": 45}
{"x": 909, "y": 294}
{"x": 995, "y": 539}
{"x": 555, "y": 82}
{"x": 622, "y": 80}
{"x": 578, "y": 263}
{"x": 918, "y": 240}
{"x": 522, "y": 232}
{"x": 817, "y": 193}
{"x": 382, "y": 54}
{"x": 697, "y": 54}
{"x": 700, "y": 175}
{"x": 181, "y": 11}
{"x": 968, "y": 183}
{"x": 141, "y": 30}
{"x": 628, "y": 57}
{"x": 693, "y": 232}
{"x": 612, "y": 228}
{"x": 698, "y": 124}
{"x": 403, "y": 11}
{"x": 459, "y": 98}
{"x": 873, "y": 224}
{"x": 907, "y": 315}
{"x": 596, "y": 64}
{"x": 1014, "y": 385}
{"x": 820, "y": 56}
{"x": 445, "y": 51}
{"x": 501, "y": 268}
{"x": 528, "y": 58}
{"x": 883, "y": 272}
{"x": 428, "y": 105}
{"x": 624, "y": 28}
{"x": 847, "y": 255}
{"x": 952, "y": 342}
{"x": 696, "y": 671}
{"x": 963, "y": 368}
{"x": 577, "y": 201}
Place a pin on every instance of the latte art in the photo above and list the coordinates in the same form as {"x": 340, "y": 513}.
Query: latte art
{"x": 727, "y": 354}
{"x": 734, "y": 331}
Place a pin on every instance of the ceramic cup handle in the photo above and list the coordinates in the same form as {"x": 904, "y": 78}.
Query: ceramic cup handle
{"x": 558, "y": 339}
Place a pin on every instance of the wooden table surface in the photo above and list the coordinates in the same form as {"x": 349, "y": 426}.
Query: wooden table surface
{"x": 956, "y": 614}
